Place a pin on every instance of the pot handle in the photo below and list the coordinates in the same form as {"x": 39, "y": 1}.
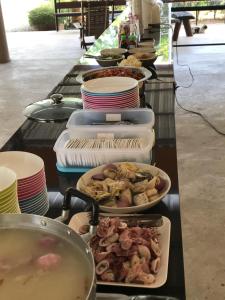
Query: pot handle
{"x": 91, "y": 203}
{"x": 100, "y": 296}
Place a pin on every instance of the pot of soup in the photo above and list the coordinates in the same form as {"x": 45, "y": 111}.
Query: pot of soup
{"x": 42, "y": 258}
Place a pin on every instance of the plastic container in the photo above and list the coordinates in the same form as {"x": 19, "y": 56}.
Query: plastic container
{"x": 143, "y": 119}
{"x": 67, "y": 157}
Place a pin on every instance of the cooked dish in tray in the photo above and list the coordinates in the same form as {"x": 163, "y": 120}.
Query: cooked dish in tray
{"x": 128, "y": 253}
{"x": 125, "y": 254}
{"x": 140, "y": 74}
{"x": 125, "y": 187}
{"x": 122, "y": 72}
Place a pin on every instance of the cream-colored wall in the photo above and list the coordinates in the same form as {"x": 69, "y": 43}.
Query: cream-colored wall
{"x": 15, "y": 12}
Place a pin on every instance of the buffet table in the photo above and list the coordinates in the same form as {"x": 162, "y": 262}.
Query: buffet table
{"x": 39, "y": 138}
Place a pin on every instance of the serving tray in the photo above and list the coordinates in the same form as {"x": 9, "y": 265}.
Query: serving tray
{"x": 81, "y": 219}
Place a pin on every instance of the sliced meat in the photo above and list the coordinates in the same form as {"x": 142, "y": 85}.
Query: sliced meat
{"x": 48, "y": 261}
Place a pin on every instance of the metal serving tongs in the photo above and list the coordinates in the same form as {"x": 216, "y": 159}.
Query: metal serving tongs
{"x": 92, "y": 207}
{"x": 141, "y": 220}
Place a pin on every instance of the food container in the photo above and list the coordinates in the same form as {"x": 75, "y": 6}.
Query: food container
{"x": 142, "y": 50}
{"x": 85, "y": 179}
{"x": 81, "y": 219}
{"x": 108, "y": 62}
{"x": 147, "y": 59}
{"x": 113, "y": 51}
{"x": 48, "y": 226}
{"x": 67, "y": 157}
{"x": 141, "y": 118}
{"x": 99, "y": 73}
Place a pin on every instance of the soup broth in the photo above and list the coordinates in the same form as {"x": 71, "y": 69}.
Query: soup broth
{"x": 35, "y": 265}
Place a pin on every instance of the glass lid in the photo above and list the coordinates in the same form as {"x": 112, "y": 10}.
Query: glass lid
{"x": 57, "y": 108}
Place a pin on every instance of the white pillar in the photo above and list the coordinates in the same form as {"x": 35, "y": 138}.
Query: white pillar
{"x": 4, "y": 53}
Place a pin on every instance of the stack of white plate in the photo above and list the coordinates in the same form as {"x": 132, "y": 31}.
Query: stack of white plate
{"x": 110, "y": 92}
{"x": 8, "y": 191}
{"x": 31, "y": 181}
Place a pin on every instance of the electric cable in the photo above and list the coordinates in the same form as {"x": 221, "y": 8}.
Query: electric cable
{"x": 200, "y": 115}
{"x": 204, "y": 118}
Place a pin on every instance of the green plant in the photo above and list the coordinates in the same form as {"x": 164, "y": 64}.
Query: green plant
{"x": 42, "y": 18}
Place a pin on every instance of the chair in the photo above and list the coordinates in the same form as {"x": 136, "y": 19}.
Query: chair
{"x": 95, "y": 19}
{"x": 66, "y": 9}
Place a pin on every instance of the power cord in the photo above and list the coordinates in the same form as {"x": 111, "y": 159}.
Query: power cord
{"x": 188, "y": 86}
{"x": 189, "y": 69}
{"x": 198, "y": 114}
{"x": 177, "y": 60}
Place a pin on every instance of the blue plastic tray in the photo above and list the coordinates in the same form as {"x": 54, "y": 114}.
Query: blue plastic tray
{"x": 72, "y": 169}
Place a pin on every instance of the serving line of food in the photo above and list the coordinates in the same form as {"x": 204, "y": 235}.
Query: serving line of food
{"x": 116, "y": 162}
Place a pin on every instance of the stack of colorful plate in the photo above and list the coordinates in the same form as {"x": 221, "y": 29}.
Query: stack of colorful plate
{"x": 8, "y": 191}
{"x": 110, "y": 92}
{"x": 31, "y": 181}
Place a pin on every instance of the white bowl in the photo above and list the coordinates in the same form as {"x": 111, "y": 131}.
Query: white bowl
{"x": 106, "y": 85}
{"x": 7, "y": 180}
{"x": 113, "y": 51}
{"x": 24, "y": 164}
{"x": 85, "y": 179}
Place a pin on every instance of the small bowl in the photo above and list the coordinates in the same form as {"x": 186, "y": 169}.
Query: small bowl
{"x": 24, "y": 164}
{"x": 7, "y": 181}
{"x": 142, "y": 50}
{"x": 109, "y": 62}
{"x": 113, "y": 52}
{"x": 147, "y": 59}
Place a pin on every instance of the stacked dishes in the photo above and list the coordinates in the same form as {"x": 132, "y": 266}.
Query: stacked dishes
{"x": 31, "y": 181}
{"x": 110, "y": 92}
{"x": 8, "y": 191}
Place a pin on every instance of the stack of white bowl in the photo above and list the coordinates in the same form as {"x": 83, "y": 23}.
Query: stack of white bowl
{"x": 110, "y": 92}
{"x": 8, "y": 191}
{"x": 31, "y": 181}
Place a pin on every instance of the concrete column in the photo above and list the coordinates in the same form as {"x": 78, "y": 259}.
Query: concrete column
{"x": 4, "y": 53}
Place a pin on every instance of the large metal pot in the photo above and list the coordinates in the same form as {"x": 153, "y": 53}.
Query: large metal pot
{"x": 55, "y": 227}
{"x": 50, "y": 226}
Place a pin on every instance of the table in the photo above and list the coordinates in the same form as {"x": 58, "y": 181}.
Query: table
{"x": 39, "y": 138}
{"x": 77, "y": 5}
{"x": 197, "y": 5}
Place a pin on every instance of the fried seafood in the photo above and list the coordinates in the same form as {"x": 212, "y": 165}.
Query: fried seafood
{"x": 117, "y": 71}
{"x": 131, "y": 255}
{"x": 124, "y": 185}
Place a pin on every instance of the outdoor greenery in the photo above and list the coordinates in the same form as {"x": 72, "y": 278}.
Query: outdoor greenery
{"x": 42, "y": 18}
{"x": 198, "y": 3}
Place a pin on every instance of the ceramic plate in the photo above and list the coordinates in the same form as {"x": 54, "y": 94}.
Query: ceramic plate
{"x": 114, "y": 84}
{"x": 85, "y": 179}
{"x": 164, "y": 240}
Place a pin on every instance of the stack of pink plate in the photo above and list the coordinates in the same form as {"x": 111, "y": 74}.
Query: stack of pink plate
{"x": 110, "y": 92}
{"x": 31, "y": 181}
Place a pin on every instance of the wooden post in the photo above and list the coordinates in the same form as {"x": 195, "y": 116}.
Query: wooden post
{"x": 4, "y": 53}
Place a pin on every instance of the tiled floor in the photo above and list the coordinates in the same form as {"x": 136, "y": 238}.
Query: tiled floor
{"x": 37, "y": 66}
